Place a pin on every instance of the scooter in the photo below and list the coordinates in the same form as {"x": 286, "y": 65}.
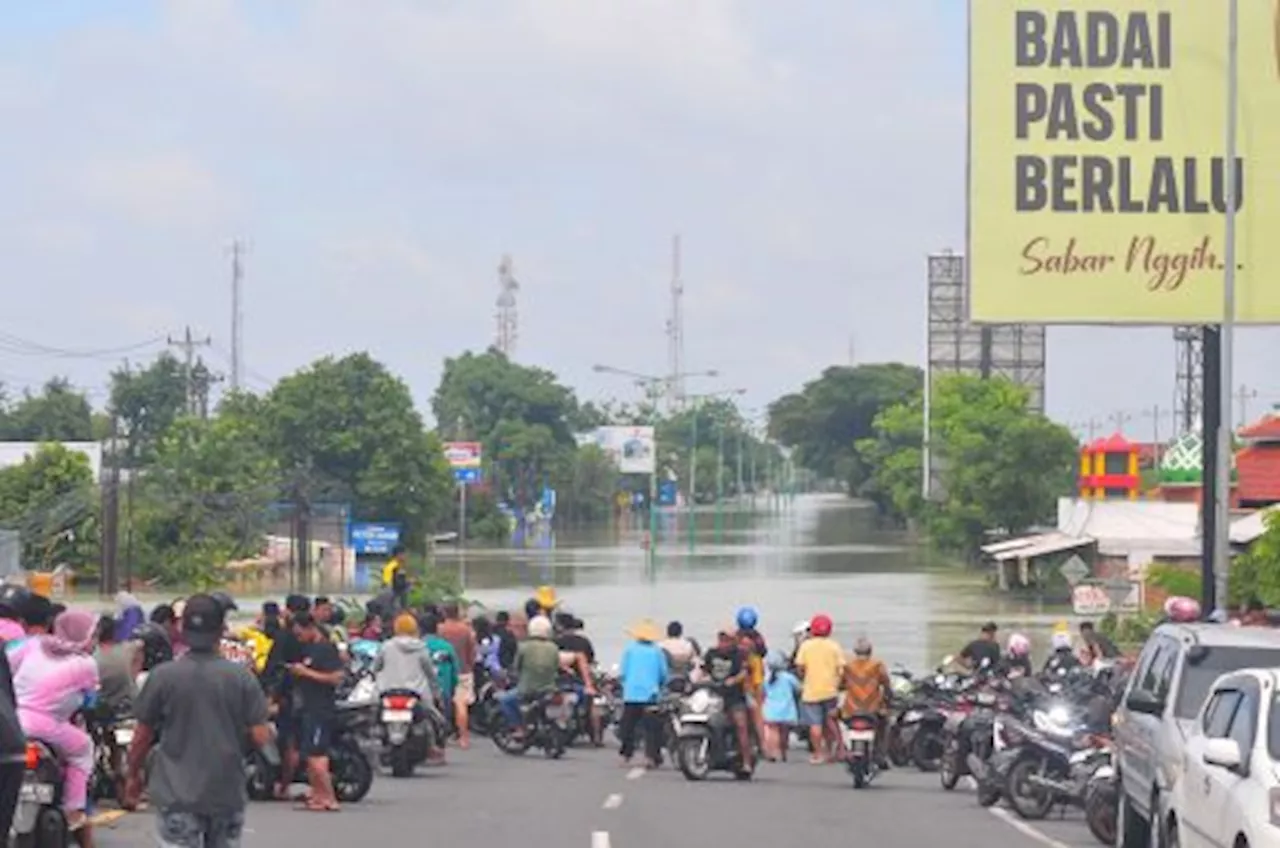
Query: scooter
{"x": 708, "y": 739}
{"x": 348, "y": 764}
{"x": 860, "y": 742}
{"x": 409, "y": 732}
{"x": 38, "y": 819}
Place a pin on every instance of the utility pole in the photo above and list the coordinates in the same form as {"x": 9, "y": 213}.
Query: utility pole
{"x": 1120, "y": 419}
{"x": 675, "y": 332}
{"x": 111, "y": 513}
{"x": 1092, "y": 424}
{"x": 1154, "y": 414}
{"x": 1243, "y": 395}
{"x": 188, "y": 346}
{"x": 237, "y": 314}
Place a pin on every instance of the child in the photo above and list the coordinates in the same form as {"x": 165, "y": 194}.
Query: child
{"x": 781, "y": 689}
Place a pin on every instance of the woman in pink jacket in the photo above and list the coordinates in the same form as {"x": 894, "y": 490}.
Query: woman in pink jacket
{"x": 52, "y": 675}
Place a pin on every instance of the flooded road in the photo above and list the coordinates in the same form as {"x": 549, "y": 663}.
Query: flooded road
{"x": 789, "y": 560}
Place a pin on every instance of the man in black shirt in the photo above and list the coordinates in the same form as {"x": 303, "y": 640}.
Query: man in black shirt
{"x": 316, "y": 677}
{"x": 285, "y": 651}
{"x": 571, "y": 640}
{"x": 725, "y": 667}
{"x": 985, "y": 647}
{"x": 1100, "y": 647}
{"x": 507, "y": 641}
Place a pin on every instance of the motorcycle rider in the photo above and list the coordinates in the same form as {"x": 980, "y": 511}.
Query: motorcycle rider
{"x": 536, "y": 666}
{"x": 1063, "y": 657}
{"x": 577, "y": 655}
{"x": 1017, "y": 657}
{"x": 682, "y": 652}
{"x": 985, "y": 647}
{"x": 404, "y": 665}
{"x": 754, "y": 651}
{"x": 726, "y": 669}
{"x": 867, "y": 689}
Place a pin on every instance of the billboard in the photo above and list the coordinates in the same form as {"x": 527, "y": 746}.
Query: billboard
{"x": 1097, "y": 168}
{"x": 369, "y": 539}
{"x": 462, "y": 454}
{"x": 632, "y": 448}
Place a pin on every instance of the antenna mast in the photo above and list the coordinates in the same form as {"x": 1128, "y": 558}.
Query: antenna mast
{"x": 237, "y": 314}
{"x": 508, "y": 319}
{"x": 675, "y": 331}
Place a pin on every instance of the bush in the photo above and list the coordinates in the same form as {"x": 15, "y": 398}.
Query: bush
{"x": 1129, "y": 630}
{"x": 1175, "y": 580}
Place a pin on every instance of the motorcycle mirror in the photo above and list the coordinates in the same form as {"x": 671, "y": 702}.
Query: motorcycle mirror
{"x": 948, "y": 660}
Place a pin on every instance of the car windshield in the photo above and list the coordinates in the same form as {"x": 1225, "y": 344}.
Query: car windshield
{"x": 1198, "y": 679}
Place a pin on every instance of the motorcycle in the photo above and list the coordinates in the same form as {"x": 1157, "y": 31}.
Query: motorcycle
{"x": 112, "y": 734}
{"x": 349, "y": 766}
{"x": 1051, "y": 769}
{"x": 1102, "y": 801}
{"x": 860, "y": 742}
{"x": 968, "y": 737}
{"x": 708, "y": 739}
{"x": 547, "y": 722}
{"x": 38, "y": 819}
{"x": 409, "y": 732}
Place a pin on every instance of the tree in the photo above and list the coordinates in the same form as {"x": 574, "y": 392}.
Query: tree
{"x": 58, "y": 413}
{"x": 146, "y": 403}
{"x": 1003, "y": 465}
{"x": 346, "y": 430}
{"x": 204, "y": 499}
{"x": 49, "y": 499}
{"x": 1256, "y": 574}
{"x": 823, "y": 421}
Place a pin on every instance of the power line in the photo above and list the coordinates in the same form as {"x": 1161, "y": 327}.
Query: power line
{"x": 10, "y": 343}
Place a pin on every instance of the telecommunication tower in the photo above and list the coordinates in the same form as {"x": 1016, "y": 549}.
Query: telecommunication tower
{"x": 508, "y": 319}
{"x": 1188, "y": 394}
{"x": 675, "y": 332}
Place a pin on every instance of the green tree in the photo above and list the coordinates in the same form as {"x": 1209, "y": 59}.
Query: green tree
{"x": 58, "y": 413}
{"x": 1003, "y": 466}
{"x": 146, "y": 403}
{"x": 585, "y": 483}
{"x": 823, "y": 421}
{"x": 203, "y": 500}
{"x": 49, "y": 498}
{"x": 1256, "y": 573}
{"x": 346, "y": 430}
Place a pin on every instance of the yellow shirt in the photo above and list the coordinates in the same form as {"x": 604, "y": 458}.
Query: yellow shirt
{"x": 823, "y": 662}
{"x": 389, "y": 572}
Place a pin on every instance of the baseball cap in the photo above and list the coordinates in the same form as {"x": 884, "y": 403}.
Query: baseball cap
{"x": 297, "y": 603}
{"x": 203, "y": 619}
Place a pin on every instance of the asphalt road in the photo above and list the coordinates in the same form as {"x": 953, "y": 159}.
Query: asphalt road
{"x": 484, "y": 797}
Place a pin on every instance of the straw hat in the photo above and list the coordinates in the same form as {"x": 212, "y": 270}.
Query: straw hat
{"x": 546, "y": 597}
{"x": 645, "y": 631}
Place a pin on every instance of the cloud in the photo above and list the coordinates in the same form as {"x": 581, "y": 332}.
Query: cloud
{"x": 162, "y": 190}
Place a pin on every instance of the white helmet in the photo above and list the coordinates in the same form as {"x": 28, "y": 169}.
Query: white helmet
{"x": 801, "y": 628}
{"x": 1019, "y": 645}
{"x": 540, "y": 627}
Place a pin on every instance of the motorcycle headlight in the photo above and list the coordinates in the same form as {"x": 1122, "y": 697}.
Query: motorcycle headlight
{"x": 699, "y": 702}
{"x": 912, "y": 715}
{"x": 1048, "y": 722}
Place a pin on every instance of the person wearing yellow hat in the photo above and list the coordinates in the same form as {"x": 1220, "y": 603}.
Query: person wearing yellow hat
{"x": 547, "y": 600}
{"x": 643, "y": 673}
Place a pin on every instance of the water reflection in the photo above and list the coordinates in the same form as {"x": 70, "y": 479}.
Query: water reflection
{"x": 819, "y": 554}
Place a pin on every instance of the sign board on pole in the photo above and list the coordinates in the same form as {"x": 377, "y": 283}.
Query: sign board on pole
{"x": 467, "y": 476}
{"x": 463, "y": 454}
{"x": 632, "y": 448}
{"x": 371, "y": 539}
{"x": 1074, "y": 570}
{"x": 1095, "y": 599}
{"x": 1097, "y": 174}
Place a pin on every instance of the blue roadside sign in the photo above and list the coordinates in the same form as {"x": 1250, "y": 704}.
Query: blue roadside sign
{"x": 370, "y": 539}
{"x": 467, "y": 475}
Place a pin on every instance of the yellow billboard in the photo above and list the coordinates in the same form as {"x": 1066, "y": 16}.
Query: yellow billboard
{"x": 1097, "y": 166}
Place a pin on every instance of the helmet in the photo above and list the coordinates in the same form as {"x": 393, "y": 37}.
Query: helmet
{"x": 801, "y": 629}
{"x": 1182, "y": 609}
{"x": 1061, "y": 641}
{"x": 863, "y": 647}
{"x": 14, "y": 601}
{"x": 1019, "y": 645}
{"x": 820, "y": 626}
{"x": 540, "y": 627}
{"x": 225, "y": 601}
{"x": 748, "y": 618}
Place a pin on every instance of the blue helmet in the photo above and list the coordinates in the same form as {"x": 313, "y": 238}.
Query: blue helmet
{"x": 747, "y": 618}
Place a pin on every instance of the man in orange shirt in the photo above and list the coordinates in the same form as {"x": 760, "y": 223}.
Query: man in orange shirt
{"x": 459, "y": 634}
{"x": 867, "y": 688}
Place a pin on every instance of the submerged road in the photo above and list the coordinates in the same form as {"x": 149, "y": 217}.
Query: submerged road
{"x": 587, "y": 799}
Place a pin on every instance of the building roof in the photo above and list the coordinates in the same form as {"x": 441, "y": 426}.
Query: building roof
{"x": 1115, "y": 443}
{"x": 1258, "y": 466}
{"x": 1266, "y": 429}
{"x": 1042, "y": 544}
{"x": 1248, "y": 529}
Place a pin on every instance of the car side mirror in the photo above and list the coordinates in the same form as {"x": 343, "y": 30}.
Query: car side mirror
{"x": 1223, "y": 753}
{"x": 1142, "y": 701}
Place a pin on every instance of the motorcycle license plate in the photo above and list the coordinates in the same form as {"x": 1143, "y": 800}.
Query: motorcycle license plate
{"x": 37, "y": 793}
{"x": 860, "y": 735}
{"x": 397, "y": 716}
{"x": 124, "y": 736}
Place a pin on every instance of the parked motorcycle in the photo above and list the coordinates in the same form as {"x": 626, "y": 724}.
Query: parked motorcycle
{"x": 348, "y": 764}
{"x": 708, "y": 739}
{"x": 968, "y": 736}
{"x": 860, "y": 743}
{"x": 547, "y": 721}
{"x": 1102, "y": 801}
{"x": 1051, "y": 768}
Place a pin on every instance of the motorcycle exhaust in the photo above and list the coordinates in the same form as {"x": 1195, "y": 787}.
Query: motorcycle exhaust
{"x": 1056, "y": 786}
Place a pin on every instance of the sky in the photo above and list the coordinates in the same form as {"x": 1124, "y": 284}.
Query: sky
{"x": 378, "y": 159}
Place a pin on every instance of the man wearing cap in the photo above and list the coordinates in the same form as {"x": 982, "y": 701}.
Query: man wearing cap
{"x": 286, "y": 650}
{"x": 205, "y": 711}
{"x": 985, "y": 647}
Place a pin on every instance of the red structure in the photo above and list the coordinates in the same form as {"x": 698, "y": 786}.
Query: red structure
{"x": 1258, "y": 463}
{"x": 1109, "y": 469}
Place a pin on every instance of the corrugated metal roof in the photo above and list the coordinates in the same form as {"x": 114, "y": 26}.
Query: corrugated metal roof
{"x": 1042, "y": 545}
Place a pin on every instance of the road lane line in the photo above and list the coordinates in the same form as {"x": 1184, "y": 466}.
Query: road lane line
{"x": 1025, "y": 829}
{"x": 635, "y": 773}
{"x": 600, "y": 839}
{"x": 613, "y": 802}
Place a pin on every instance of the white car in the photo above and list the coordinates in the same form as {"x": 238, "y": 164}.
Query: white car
{"x": 1229, "y": 791}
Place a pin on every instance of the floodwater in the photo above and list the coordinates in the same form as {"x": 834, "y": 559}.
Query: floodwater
{"x": 790, "y": 559}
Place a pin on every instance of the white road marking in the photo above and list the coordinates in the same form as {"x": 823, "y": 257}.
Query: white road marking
{"x": 635, "y": 773}
{"x": 600, "y": 839}
{"x": 613, "y": 802}
{"x": 1025, "y": 829}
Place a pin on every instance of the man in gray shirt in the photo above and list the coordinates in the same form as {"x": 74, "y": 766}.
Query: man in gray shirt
{"x": 206, "y": 711}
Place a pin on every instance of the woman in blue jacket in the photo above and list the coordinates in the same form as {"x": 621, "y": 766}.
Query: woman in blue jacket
{"x": 643, "y": 672}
